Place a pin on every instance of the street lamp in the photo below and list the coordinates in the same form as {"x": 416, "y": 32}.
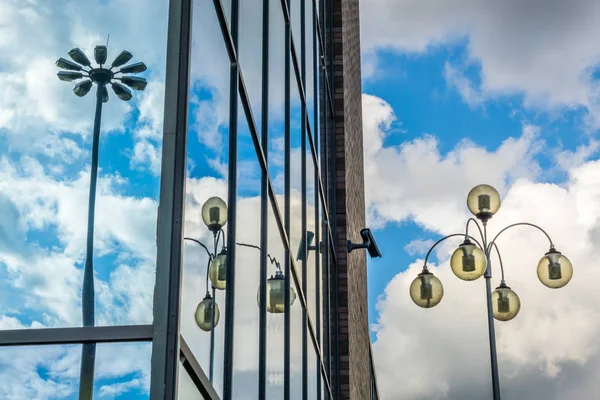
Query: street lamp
{"x": 214, "y": 215}
{"x": 79, "y": 68}
{"x": 471, "y": 260}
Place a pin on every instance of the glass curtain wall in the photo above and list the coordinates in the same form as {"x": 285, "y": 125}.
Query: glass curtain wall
{"x": 263, "y": 118}
{"x": 226, "y": 291}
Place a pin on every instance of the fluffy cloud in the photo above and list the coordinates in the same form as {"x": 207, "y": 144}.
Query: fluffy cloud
{"x": 545, "y": 50}
{"x": 549, "y": 350}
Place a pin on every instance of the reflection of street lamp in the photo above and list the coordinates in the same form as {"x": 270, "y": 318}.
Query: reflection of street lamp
{"x": 80, "y": 68}
{"x": 471, "y": 261}
{"x": 275, "y": 287}
{"x": 214, "y": 215}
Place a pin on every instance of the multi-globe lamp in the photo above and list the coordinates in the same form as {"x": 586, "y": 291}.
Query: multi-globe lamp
{"x": 471, "y": 260}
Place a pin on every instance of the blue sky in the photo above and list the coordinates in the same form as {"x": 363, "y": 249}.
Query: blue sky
{"x": 453, "y": 96}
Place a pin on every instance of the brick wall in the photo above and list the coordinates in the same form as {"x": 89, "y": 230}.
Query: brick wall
{"x": 353, "y": 339}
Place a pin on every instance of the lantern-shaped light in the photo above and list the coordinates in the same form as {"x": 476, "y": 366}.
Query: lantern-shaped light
{"x": 276, "y": 293}
{"x": 204, "y": 314}
{"x": 426, "y": 290}
{"x": 218, "y": 270}
{"x": 468, "y": 262}
{"x": 505, "y": 303}
{"x": 483, "y": 202}
{"x": 554, "y": 270}
{"x": 214, "y": 213}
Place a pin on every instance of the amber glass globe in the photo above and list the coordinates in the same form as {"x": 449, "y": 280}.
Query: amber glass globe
{"x": 554, "y": 270}
{"x": 483, "y": 201}
{"x": 214, "y": 213}
{"x": 217, "y": 271}
{"x": 505, "y": 303}
{"x": 276, "y": 293}
{"x": 468, "y": 262}
{"x": 426, "y": 290}
{"x": 204, "y": 313}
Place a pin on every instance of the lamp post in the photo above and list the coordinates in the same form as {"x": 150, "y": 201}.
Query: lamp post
{"x": 472, "y": 260}
{"x": 75, "y": 70}
{"x": 214, "y": 215}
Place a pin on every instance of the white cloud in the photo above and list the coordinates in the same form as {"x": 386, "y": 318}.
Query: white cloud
{"x": 549, "y": 351}
{"x": 546, "y": 51}
{"x": 418, "y": 246}
{"x": 413, "y": 180}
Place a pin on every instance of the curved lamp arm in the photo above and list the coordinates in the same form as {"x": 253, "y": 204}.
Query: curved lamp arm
{"x": 208, "y": 269}
{"x": 201, "y": 244}
{"x": 499, "y": 258}
{"x": 517, "y": 224}
{"x": 447, "y": 237}
{"x": 478, "y": 228}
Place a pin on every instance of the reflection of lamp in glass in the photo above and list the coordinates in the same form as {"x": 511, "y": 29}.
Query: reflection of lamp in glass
{"x": 204, "y": 313}
{"x": 218, "y": 270}
{"x": 275, "y": 294}
{"x": 77, "y": 69}
{"x": 554, "y": 270}
{"x": 214, "y": 213}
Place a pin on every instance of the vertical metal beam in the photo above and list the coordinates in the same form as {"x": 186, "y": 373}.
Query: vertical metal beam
{"x": 262, "y": 333}
{"x": 316, "y": 137}
{"x": 232, "y": 210}
{"x": 167, "y": 291}
{"x": 287, "y": 217}
{"x": 304, "y": 195}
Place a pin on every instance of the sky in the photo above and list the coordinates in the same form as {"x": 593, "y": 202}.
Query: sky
{"x": 453, "y": 96}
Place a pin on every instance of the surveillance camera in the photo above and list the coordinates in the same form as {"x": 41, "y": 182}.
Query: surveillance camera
{"x": 304, "y": 247}
{"x": 368, "y": 243}
{"x": 372, "y": 248}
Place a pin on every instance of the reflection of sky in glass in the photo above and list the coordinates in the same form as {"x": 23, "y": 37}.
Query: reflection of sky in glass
{"x": 45, "y": 148}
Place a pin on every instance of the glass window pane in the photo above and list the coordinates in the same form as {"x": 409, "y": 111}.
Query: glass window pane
{"x": 208, "y": 161}
{"x": 296, "y": 384}
{"x": 186, "y": 388}
{"x": 276, "y": 150}
{"x": 309, "y": 89}
{"x": 275, "y": 320}
{"x": 46, "y": 146}
{"x": 250, "y": 54}
{"x": 312, "y": 371}
{"x": 122, "y": 371}
{"x": 247, "y": 266}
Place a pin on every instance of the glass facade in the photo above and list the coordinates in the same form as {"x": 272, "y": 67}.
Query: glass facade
{"x": 177, "y": 244}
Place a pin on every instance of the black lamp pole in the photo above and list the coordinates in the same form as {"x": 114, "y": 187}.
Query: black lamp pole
{"x": 102, "y": 77}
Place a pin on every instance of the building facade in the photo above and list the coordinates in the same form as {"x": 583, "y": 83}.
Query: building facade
{"x": 255, "y": 294}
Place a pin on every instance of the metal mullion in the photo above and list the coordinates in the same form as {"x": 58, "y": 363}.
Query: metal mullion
{"x": 287, "y": 190}
{"x": 303, "y": 124}
{"x": 316, "y": 181}
{"x": 262, "y": 333}
{"x": 76, "y": 335}
{"x": 167, "y": 294}
{"x": 232, "y": 45}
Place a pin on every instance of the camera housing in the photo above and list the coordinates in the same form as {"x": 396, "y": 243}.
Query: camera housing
{"x": 305, "y": 247}
{"x": 368, "y": 243}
